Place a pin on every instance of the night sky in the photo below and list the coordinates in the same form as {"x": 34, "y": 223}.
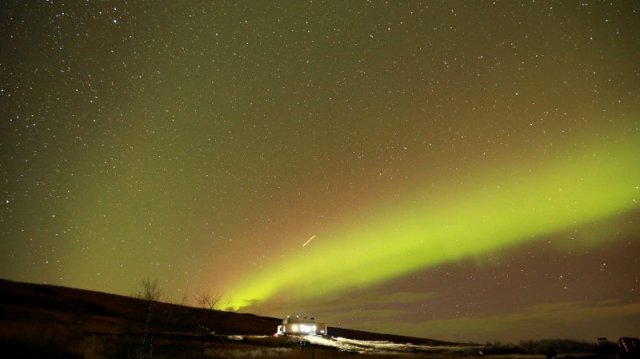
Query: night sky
{"x": 458, "y": 170}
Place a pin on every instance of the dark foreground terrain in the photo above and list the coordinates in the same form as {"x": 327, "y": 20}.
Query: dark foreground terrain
{"x": 42, "y": 321}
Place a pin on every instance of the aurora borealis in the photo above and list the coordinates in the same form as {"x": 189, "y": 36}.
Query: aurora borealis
{"x": 426, "y": 232}
{"x": 466, "y": 170}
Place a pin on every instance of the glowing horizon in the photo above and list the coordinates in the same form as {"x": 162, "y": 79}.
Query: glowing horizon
{"x": 300, "y": 155}
{"x": 459, "y": 222}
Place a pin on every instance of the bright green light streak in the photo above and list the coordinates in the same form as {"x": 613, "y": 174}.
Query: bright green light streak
{"x": 499, "y": 210}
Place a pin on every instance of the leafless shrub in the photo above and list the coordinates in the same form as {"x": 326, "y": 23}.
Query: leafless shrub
{"x": 151, "y": 291}
{"x": 207, "y": 301}
{"x": 184, "y": 300}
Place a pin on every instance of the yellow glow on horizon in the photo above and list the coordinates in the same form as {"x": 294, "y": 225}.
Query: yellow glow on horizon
{"x": 495, "y": 210}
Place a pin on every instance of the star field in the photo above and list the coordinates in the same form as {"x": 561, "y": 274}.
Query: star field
{"x": 469, "y": 169}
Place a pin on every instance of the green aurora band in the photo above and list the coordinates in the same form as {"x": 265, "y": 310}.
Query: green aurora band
{"x": 486, "y": 213}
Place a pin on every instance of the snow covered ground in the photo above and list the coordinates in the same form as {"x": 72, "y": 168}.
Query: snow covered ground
{"x": 364, "y": 346}
{"x": 369, "y": 346}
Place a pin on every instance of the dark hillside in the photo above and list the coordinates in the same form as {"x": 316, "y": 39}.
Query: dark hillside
{"x": 45, "y": 304}
{"x": 36, "y": 319}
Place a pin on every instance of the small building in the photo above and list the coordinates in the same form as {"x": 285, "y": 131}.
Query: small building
{"x": 301, "y": 326}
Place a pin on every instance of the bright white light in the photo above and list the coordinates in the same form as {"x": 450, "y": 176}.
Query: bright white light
{"x": 295, "y": 328}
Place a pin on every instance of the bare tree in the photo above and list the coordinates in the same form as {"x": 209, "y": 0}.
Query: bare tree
{"x": 207, "y": 301}
{"x": 185, "y": 299}
{"x": 151, "y": 291}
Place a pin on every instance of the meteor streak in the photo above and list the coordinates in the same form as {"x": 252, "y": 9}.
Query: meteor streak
{"x": 309, "y": 240}
{"x": 500, "y": 208}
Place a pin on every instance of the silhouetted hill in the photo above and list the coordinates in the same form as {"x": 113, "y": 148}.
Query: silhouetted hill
{"x": 50, "y": 321}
